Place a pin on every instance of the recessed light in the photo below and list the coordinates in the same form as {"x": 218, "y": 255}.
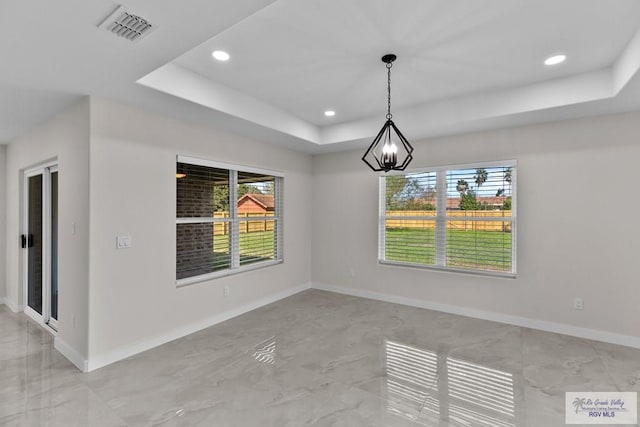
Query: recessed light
{"x": 555, "y": 60}
{"x": 329, "y": 113}
{"x": 220, "y": 55}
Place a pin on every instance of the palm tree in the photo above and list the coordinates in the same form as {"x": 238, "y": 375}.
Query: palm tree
{"x": 481, "y": 177}
{"x": 507, "y": 177}
{"x": 394, "y": 188}
{"x": 462, "y": 186}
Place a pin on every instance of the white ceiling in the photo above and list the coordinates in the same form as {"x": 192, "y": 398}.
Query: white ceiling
{"x": 462, "y": 65}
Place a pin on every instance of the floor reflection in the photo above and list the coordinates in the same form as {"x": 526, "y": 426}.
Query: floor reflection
{"x": 411, "y": 376}
{"x": 446, "y": 388}
{"x": 265, "y": 352}
{"x": 480, "y": 394}
{"x": 326, "y": 366}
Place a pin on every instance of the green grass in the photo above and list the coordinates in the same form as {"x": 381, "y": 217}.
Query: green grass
{"x": 251, "y": 248}
{"x": 485, "y": 250}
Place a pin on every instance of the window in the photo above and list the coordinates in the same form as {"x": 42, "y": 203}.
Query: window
{"x": 228, "y": 219}
{"x": 460, "y": 218}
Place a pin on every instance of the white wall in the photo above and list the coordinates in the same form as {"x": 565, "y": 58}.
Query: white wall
{"x": 134, "y": 302}
{"x": 3, "y": 220}
{"x": 570, "y": 242}
{"x": 65, "y": 137}
{"x": 578, "y": 233}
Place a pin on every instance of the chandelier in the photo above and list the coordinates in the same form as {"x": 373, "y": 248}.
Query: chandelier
{"x": 390, "y": 150}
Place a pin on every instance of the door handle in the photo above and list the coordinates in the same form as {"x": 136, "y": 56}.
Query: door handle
{"x": 23, "y": 241}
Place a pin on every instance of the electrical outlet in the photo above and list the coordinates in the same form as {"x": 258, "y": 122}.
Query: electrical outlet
{"x": 578, "y": 304}
{"x": 225, "y": 291}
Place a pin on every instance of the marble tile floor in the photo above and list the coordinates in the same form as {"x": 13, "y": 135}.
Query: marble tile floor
{"x": 316, "y": 358}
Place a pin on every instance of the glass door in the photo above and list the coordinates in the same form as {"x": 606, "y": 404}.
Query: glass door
{"x": 40, "y": 241}
{"x": 34, "y": 243}
{"x": 53, "y": 250}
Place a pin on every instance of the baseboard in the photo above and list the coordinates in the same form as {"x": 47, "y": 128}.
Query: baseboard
{"x": 70, "y": 353}
{"x": 543, "y": 325}
{"x": 16, "y": 308}
{"x": 124, "y": 352}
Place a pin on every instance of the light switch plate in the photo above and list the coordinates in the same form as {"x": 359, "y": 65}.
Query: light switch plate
{"x": 123, "y": 242}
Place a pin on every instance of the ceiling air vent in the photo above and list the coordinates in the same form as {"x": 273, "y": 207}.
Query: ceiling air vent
{"x": 125, "y": 24}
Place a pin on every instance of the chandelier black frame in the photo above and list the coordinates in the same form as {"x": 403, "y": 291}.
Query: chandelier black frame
{"x": 384, "y": 151}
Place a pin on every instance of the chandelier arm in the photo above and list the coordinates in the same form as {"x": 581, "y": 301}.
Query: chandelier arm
{"x": 405, "y": 143}
{"x": 372, "y": 147}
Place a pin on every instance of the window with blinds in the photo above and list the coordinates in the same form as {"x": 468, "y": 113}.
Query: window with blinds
{"x": 457, "y": 218}
{"x": 228, "y": 219}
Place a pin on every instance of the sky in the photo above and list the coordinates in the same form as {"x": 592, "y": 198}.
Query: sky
{"x": 495, "y": 181}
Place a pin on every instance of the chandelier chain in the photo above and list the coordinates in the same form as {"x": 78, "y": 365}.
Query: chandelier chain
{"x": 389, "y": 65}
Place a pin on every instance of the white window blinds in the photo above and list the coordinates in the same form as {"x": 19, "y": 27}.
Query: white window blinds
{"x": 227, "y": 219}
{"x": 460, "y": 218}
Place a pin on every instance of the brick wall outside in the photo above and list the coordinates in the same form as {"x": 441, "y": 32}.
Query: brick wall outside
{"x": 194, "y": 249}
{"x": 194, "y": 242}
{"x": 195, "y": 191}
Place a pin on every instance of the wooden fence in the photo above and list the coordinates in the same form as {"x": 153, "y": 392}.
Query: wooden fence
{"x": 475, "y": 224}
{"x": 247, "y": 225}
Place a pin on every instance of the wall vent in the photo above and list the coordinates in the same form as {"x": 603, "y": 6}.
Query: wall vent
{"x": 125, "y": 24}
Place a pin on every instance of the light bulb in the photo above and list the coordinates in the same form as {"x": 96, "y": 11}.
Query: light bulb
{"x": 389, "y": 147}
{"x": 389, "y": 155}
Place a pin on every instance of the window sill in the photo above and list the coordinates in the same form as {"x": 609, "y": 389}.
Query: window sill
{"x": 224, "y": 273}
{"x": 448, "y": 269}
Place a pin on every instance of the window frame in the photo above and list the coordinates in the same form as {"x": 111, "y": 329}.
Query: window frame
{"x": 234, "y": 221}
{"x": 441, "y": 218}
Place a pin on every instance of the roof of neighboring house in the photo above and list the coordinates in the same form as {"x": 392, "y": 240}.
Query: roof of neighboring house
{"x": 494, "y": 200}
{"x": 264, "y": 200}
{"x": 454, "y": 202}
